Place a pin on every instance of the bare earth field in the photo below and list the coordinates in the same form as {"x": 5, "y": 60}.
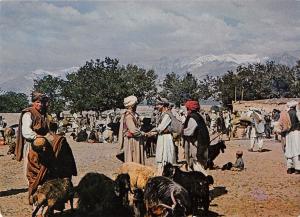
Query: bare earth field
{"x": 262, "y": 189}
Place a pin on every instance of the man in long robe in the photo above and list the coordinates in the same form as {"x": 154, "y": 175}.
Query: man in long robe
{"x": 292, "y": 147}
{"x": 196, "y": 137}
{"x": 165, "y": 149}
{"x": 131, "y": 137}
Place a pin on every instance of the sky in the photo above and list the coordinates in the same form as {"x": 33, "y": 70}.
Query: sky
{"x": 55, "y": 35}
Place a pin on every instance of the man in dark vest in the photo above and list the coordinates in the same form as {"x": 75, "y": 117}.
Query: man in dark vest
{"x": 33, "y": 123}
{"x": 46, "y": 155}
{"x": 196, "y": 137}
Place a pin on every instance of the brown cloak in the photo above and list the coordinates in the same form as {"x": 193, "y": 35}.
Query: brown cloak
{"x": 39, "y": 125}
{"x": 57, "y": 161}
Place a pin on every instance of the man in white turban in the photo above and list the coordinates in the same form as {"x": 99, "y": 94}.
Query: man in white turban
{"x": 292, "y": 146}
{"x": 130, "y": 135}
{"x": 130, "y": 101}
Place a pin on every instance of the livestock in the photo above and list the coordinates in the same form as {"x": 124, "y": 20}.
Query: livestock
{"x": 214, "y": 151}
{"x": 82, "y": 136}
{"x": 195, "y": 182}
{"x": 114, "y": 127}
{"x": 122, "y": 183}
{"x": 139, "y": 208}
{"x": 164, "y": 197}
{"x": 139, "y": 174}
{"x": 53, "y": 194}
{"x": 101, "y": 196}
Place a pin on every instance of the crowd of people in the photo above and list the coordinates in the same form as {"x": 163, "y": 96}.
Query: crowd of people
{"x": 172, "y": 135}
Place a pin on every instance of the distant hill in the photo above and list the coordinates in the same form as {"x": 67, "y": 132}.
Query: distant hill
{"x": 200, "y": 66}
{"x": 215, "y": 65}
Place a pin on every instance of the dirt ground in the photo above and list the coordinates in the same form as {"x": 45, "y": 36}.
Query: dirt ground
{"x": 262, "y": 189}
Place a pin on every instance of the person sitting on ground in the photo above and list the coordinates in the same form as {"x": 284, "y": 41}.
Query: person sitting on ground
{"x": 93, "y": 137}
{"x": 82, "y": 136}
{"x": 238, "y": 165}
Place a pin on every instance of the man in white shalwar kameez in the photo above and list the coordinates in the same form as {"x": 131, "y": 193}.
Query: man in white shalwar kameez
{"x": 292, "y": 146}
{"x": 165, "y": 150}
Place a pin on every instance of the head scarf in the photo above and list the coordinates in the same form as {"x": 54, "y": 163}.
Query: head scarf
{"x": 192, "y": 105}
{"x": 130, "y": 101}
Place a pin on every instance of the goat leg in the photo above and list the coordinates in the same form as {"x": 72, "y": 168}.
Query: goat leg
{"x": 37, "y": 208}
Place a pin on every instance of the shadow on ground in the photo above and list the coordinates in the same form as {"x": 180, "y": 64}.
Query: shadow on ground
{"x": 217, "y": 192}
{"x": 12, "y": 192}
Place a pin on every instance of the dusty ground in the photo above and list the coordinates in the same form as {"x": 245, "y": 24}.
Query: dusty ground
{"x": 263, "y": 189}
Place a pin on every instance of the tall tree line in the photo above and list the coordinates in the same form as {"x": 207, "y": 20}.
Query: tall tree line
{"x": 103, "y": 84}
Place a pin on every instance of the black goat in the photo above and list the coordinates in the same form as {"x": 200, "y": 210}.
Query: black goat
{"x": 214, "y": 151}
{"x": 195, "y": 182}
{"x": 101, "y": 196}
{"x": 122, "y": 187}
{"x": 164, "y": 197}
{"x": 139, "y": 208}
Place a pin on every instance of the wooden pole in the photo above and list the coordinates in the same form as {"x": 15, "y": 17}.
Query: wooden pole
{"x": 242, "y": 93}
{"x": 234, "y": 93}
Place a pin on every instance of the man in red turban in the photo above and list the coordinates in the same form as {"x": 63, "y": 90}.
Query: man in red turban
{"x": 196, "y": 137}
{"x": 192, "y": 105}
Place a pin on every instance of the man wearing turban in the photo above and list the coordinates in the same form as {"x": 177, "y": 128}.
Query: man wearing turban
{"x": 165, "y": 149}
{"x": 196, "y": 137}
{"x": 46, "y": 155}
{"x": 130, "y": 135}
{"x": 292, "y": 146}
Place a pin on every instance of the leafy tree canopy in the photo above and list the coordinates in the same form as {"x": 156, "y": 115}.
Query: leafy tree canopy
{"x": 13, "y": 102}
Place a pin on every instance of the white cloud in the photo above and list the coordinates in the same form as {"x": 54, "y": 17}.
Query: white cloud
{"x": 59, "y": 35}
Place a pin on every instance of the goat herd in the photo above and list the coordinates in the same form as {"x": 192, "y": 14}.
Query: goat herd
{"x": 136, "y": 191}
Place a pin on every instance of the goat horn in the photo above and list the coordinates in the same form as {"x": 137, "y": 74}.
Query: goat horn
{"x": 173, "y": 198}
{"x": 164, "y": 205}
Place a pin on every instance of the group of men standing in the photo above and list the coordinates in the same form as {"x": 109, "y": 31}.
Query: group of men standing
{"x": 195, "y": 135}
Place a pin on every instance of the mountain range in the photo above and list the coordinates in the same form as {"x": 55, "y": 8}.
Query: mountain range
{"x": 199, "y": 66}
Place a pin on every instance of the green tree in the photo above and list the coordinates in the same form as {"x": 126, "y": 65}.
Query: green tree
{"x": 13, "y": 102}
{"x": 53, "y": 87}
{"x": 102, "y": 85}
{"x": 177, "y": 89}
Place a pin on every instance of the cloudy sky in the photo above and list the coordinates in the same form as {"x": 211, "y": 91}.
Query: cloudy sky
{"x": 56, "y": 35}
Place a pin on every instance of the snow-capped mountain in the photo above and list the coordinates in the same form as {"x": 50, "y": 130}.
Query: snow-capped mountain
{"x": 215, "y": 65}
{"x": 25, "y": 83}
{"x": 200, "y": 66}
{"x": 204, "y": 65}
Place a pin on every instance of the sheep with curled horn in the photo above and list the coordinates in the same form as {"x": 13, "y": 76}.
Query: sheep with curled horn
{"x": 164, "y": 197}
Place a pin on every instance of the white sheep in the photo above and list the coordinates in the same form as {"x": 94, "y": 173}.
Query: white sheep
{"x": 139, "y": 174}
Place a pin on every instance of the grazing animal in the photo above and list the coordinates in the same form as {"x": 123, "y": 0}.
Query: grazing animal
{"x": 82, "y": 136}
{"x": 101, "y": 196}
{"x": 53, "y": 194}
{"x": 139, "y": 208}
{"x": 139, "y": 174}
{"x": 114, "y": 127}
{"x": 195, "y": 182}
{"x": 122, "y": 188}
{"x": 214, "y": 151}
{"x": 164, "y": 197}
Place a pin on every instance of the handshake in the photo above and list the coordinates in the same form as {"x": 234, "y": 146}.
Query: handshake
{"x": 150, "y": 134}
